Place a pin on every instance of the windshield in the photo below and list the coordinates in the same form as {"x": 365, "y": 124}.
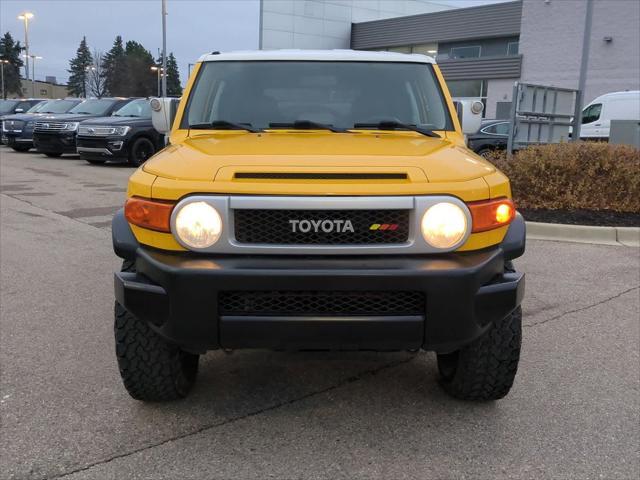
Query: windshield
{"x": 93, "y": 107}
{"x": 7, "y": 106}
{"x": 137, "y": 108}
{"x": 38, "y": 107}
{"x": 340, "y": 94}
{"x": 56, "y": 106}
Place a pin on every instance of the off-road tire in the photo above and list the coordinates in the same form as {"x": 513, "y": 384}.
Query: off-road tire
{"x": 485, "y": 369}
{"x": 151, "y": 368}
{"x": 53, "y": 155}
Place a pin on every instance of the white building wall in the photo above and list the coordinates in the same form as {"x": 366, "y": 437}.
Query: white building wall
{"x": 551, "y": 42}
{"x": 327, "y": 23}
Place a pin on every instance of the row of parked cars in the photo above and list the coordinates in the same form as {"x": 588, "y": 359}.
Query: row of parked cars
{"x": 98, "y": 129}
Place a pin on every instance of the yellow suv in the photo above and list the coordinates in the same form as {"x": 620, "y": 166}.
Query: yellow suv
{"x": 317, "y": 200}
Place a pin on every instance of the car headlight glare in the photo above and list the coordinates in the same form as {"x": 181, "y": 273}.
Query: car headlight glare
{"x": 198, "y": 225}
{"x": 444, "y": 225}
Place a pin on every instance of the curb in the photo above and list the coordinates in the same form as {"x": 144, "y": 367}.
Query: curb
{"x": 626, "y": 236}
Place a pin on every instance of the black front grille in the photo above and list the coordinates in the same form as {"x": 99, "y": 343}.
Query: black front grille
{"x": 91, "y": 142}
{"x": 321, "y": 303}
{"x": 319, "y": 176}
{"x": 322, "y": 227}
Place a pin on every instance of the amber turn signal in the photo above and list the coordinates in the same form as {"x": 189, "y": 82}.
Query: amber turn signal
{"x": 491, "y": 214}
{"x": 150, "y": 214}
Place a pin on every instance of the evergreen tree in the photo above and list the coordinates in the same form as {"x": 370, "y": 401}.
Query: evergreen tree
{"x": 10, "y": 51}
{"x": 174, "y": 89}
{"x": 79, "y": 70}
{"x": 141, "y": 80}
{"x": 114, "y": 69}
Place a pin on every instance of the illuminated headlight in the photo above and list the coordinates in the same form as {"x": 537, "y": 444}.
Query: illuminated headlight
{"x": 71, "y": 126}
{"x": 444, "y": 225}
{"x": 198, "y": 225}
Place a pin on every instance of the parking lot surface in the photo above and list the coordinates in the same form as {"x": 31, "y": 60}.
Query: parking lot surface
{"x": 573, "y": 411}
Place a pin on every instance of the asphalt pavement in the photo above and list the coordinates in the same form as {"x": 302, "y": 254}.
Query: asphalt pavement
{"x": 574, "y": 411}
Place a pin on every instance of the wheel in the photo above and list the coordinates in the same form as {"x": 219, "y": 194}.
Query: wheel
{"x": 151, "y": 368}
{"x": 94, "y": 161}
{"x": 53, "y": 155}
{"x": 485, "y": 369}
{"x": 484, "y": 152}
{"x": 141, "y": 151}
{"x": 21, "y": 148}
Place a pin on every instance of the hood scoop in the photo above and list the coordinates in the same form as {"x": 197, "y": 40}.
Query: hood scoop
{"x": 318, "y": 176}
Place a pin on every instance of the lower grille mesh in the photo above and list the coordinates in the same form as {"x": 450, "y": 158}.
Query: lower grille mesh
{"x": 321, "y": 303}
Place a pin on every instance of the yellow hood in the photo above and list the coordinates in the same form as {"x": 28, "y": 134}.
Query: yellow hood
{"x": 211, "y": 162}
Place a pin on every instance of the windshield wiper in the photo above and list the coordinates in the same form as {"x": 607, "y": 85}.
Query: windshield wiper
{"x": 224, "y": 125}
{"x": 395, "y": 125}
{"x": 83, "y": 113}
{"x": 306, "y": 125}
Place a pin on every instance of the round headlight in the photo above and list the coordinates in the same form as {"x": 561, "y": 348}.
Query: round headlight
{"x": 198, "y": 225}
{"x": 444, "y": 225}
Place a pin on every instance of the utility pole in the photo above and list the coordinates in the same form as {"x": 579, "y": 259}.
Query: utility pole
{"x": 582, "y": 80}
{"x": 164, "y": 48}
{"x": 25, "y": 17}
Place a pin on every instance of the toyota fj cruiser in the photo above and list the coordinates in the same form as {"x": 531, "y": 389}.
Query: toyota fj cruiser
{"x": 317, "y": 200}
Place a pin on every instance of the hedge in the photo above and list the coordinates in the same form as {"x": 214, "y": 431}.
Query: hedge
{"x": 571, "y": 176}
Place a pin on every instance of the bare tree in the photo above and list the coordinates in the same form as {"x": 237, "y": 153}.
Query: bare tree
{"x": 96, "y": 76}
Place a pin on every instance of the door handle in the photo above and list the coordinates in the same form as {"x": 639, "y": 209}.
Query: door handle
{"x": 598, "y": 125}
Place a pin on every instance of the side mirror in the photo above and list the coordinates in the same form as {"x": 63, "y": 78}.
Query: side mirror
{"x": 470, "y": 114}
{"x": 163, "y": 112}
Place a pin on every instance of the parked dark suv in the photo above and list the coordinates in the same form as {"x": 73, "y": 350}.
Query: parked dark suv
{"x": 126, "y": 135}
{"x": 493, "y": 135}
{"x": 17, "y": 130}
{"x": 17, "y": 105}
{"x": 54, "y": 135}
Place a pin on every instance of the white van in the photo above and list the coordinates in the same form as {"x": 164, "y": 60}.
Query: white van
{"x": 597, "y": 116}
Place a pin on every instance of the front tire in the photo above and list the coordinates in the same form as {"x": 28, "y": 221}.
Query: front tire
{"x": 53, "y": 155}
{"x": 20, "y": 148}
{"x": 141, "y": 151}
{"x": 94, "y": 161}
{"x": 151, "y": 368}
{"x": 485, "y": 369}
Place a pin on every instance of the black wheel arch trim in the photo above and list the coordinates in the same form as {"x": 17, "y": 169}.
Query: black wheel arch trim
{"x": 124, "y": 241}
{"x": 514, "y": 243}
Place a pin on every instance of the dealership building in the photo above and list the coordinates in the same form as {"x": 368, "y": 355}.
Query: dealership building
{"x": 481, "y": 50}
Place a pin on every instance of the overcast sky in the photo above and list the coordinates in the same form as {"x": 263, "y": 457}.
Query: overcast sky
{"x": 194, "y": 27}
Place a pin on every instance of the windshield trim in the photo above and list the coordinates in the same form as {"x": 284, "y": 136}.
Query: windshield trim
{"x": 448, "y": 126}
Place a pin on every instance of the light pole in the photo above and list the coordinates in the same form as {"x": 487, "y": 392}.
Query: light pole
{"x": 91, "y": 70}
{"x": 160, "y": 71}
{"x": 33, "y": 72}
{"x": 25, "y": 17}
{"x": 164, "y": 47}
{"x": 2, "y": 64}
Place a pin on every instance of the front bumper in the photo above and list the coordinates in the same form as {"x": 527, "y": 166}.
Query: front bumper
{"x": 24, "y": 137}
{"x": 59, "y": 142}
{"x": 103, "y": 148}
{"x": 178, "y": 294}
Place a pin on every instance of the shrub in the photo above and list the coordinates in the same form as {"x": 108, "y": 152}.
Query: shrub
{"x": 571, "y": 176}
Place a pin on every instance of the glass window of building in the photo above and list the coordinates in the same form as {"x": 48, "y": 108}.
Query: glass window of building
{"x": 513, "y": 48}
{"x": 469, "y": 89}
{"x": 402, "y": 49}
{"x": 429, "y": 49}
{"x": 470, "y": 51}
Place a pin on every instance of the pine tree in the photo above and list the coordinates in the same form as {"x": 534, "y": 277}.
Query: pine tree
{"x": 10, "y": 51}
{"x": 114, "y": 69}
{"x": 141, "y": 80}
{"x": 79, "y": 70}
{"x": 174, "y": 89}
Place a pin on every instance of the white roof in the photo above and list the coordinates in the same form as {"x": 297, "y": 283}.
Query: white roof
{"x": 317, "y": 55}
